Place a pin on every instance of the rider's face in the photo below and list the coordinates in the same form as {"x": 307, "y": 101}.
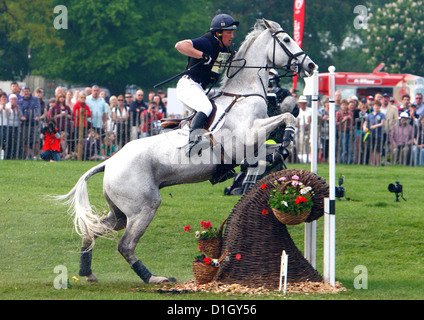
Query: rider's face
{"x": 227, "y": 37}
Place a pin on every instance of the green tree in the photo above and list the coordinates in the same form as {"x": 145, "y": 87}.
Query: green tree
{"x": 395, "y": 36}
{"x": 114, "y": 43}
{"x": 24, "y": 25}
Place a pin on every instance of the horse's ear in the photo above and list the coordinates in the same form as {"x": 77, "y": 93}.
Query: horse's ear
{"x": 267, "y": 24}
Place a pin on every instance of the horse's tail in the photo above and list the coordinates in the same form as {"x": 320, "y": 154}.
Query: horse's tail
{"x": 87, "y": 224}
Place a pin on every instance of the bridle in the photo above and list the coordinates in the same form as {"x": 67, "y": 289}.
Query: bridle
{"x": 293, "y": 64}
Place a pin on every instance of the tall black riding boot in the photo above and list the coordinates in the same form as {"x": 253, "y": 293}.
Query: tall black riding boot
{"x": 196, "y": 140}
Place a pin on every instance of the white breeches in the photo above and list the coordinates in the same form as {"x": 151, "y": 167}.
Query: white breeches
{"x": 191, "y": 94}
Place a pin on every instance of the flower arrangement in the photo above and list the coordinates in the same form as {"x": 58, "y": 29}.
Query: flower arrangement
{"x": 208, "y": 261}
{"x": 208, "y": 232}
{"x": 295, "y": 199}
{"x": 209, "y": 239}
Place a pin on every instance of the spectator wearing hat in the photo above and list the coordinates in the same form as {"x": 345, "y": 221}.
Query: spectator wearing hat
{"x": 369, "y": 102}
{"x": 302, "y": 126}
{"x": 401, "y": 138}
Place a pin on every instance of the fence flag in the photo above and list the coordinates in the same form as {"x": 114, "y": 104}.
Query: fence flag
{"x": 299, "y": 17}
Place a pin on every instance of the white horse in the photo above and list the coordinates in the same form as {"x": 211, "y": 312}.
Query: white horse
{"x": 134, "y": 176}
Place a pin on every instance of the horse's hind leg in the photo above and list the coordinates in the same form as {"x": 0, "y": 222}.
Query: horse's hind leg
{"x": 138, "y": 221}
{"x": 115, "y": 220}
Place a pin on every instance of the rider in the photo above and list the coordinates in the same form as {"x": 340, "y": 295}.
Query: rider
{"x": 206, "y": 57}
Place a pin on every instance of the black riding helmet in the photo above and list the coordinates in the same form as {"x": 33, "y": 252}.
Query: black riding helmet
{"x": 223, "y": 22}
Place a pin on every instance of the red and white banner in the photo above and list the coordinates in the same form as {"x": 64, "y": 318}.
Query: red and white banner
{"x": 298, "y": 23}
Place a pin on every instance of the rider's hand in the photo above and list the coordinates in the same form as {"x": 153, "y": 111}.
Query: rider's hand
{"x": 206, "y": 58}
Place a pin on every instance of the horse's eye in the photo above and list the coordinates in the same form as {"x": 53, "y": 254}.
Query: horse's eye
{"x": 286, "y": 39}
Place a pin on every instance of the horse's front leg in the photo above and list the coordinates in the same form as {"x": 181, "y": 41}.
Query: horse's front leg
{"x": 263, "y": 127}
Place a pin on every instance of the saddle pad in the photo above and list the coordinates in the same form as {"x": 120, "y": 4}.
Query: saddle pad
{"x": 179, "y": 137}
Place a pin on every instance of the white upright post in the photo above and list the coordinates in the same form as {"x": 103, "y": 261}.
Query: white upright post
{"x": 330, "y": 203}
{"x": 311, "y": 227}
{"x": 283, "y": 271}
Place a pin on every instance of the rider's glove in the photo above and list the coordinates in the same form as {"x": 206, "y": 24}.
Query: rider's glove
{"x": 206, "y": 58}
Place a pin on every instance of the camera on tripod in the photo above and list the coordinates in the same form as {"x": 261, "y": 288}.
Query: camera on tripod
{"x": 397, "y": 189}
{"x": 340, "y": 191}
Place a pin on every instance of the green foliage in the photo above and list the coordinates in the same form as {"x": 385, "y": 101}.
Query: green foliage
{"x": 396, "y": 35}
{"x": 117, "y": 43}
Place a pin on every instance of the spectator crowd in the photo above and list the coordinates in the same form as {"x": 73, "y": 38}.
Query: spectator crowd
{"x": 75, "y": 124}
{"x": 372, "y": 130}
{"x": 87, "y": 125}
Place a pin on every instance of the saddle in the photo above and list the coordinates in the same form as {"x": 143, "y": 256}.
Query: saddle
{"x": 171, "y": 123}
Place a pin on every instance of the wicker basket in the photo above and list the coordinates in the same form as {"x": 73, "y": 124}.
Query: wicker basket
{"x": 204, "y": 273}
{"x": 289, "y": 219}
{"x": 212, "y": 247}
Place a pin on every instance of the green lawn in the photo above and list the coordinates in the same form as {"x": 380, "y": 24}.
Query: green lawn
{"x": 37, "y": 235}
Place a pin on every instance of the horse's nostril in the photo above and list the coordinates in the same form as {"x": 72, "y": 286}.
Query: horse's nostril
{"x": 311, "y": 66}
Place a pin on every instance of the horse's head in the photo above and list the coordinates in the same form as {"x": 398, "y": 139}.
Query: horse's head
{"x": 286, "y": 53}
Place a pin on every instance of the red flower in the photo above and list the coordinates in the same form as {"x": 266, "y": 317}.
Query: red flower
{"x": 301, "y": 199}
{"x": 263, "y": 186}
{"x": 238, "y": 256}
{"x": 264, "y": 212}
{"x": 207, "y": 261}
{"x": 187, "y": 228}
{"x": 200, "y": 248}
{"x": 205, "y": 225}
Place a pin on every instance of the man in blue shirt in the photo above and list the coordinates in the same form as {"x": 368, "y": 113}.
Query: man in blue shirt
{"x": 29, "y": 108}
{"x": 206, "y": 56}
{"x": 98, "y": 110}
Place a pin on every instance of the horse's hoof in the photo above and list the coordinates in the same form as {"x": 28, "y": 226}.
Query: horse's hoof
{"x": 160, "y": 280}
{"x": 92, "y": 278}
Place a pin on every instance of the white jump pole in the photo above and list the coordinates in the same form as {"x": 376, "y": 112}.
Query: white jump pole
{"x": 311, "y": 227}
{"x": 330, "y": 203}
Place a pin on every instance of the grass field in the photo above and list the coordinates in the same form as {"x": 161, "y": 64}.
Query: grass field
{"x": 384, "y": 236}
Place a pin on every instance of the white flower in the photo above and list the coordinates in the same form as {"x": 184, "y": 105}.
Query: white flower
{"x": 305, "y": 190}
{"x": 197, "y": 234}
{"x": 285, "y": 203}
